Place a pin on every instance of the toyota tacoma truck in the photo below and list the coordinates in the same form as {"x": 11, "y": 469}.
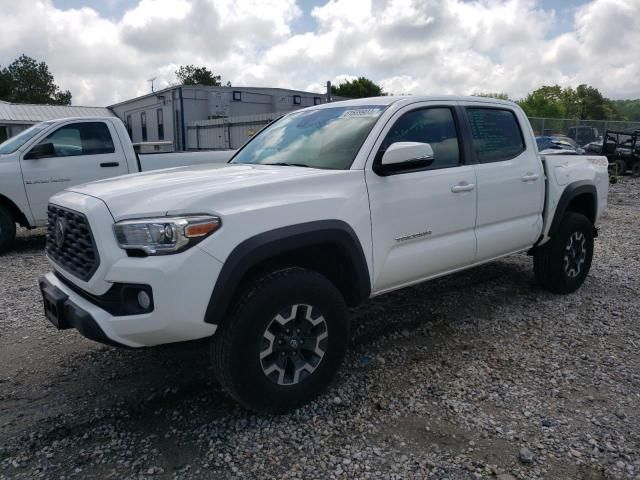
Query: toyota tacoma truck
{"x": 323, "y": 209}
{"x": 54, "y": 155}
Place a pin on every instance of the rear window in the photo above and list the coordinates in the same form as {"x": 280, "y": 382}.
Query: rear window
{"x": 496, "y": 134}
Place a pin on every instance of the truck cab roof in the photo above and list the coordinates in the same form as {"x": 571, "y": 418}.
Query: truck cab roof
{"x": 408, "y": 99}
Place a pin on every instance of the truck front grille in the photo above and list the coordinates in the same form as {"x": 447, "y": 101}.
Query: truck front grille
{"x": 70, "y": 242}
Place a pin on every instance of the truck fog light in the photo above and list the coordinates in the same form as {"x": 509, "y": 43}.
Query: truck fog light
{"x": 144, "y": 300}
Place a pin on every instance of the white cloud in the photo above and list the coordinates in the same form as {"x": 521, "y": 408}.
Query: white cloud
{"x": 408, "y": 46}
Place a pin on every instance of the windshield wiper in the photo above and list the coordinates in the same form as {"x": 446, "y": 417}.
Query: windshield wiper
{"x": 284, "y": 164}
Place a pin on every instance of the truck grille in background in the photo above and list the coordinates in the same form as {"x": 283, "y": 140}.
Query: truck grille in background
{"x": 74, "y": 249}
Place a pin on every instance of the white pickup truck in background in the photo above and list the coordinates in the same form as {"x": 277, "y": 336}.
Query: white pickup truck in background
{"x": 54, "y": 155}
{"x": 323, "y": 209}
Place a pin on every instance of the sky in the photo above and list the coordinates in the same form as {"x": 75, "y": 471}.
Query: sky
{"x": 105, "y": 51}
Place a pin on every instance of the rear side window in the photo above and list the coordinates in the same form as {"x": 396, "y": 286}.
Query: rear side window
{"x": 496, "y": 134}
{"x": 90, "y": 138}
{"x": 434, "y": 126}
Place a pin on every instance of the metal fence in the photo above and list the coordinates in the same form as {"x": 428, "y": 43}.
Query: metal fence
{"x": 226, "y": 133}
{"x": 582, "y": 131}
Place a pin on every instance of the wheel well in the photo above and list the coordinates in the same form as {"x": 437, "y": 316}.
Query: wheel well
{"x": 16, "y": 213}
{"x": 329, "y": 247}
{"x": 327, "y": 259}
{"x": 584, "y": 204}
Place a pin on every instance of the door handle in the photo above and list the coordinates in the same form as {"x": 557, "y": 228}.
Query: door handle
{"x": 463, "y": 187}
{"x": 530, "y": 177}
{"x": 109, "y": 164}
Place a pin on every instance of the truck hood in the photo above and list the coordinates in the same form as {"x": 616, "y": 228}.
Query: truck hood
{"x": 187, "y": 189}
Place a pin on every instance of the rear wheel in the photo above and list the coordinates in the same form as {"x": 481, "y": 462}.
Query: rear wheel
{"x": 284, "y": 343}
{"x": 635, "y": 170}
{"x": 7, "y": 229}
{"x": 562, "y": 264}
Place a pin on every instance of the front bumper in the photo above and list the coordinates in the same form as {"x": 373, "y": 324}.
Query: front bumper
{"x": 64, "y": 314}
{"x": 181, "y": 286}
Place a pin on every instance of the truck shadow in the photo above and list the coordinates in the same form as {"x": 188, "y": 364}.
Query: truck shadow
{"x": 170, "y": 390}
{"x": 30, "y": 241}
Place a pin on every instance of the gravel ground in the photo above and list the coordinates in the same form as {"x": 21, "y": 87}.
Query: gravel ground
{"x": 477, "y": 375}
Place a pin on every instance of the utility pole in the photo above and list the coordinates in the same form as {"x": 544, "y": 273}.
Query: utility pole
{"x": 152, "y": 80}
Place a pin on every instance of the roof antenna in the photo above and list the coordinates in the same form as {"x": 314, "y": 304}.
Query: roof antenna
{"x": 152, "y": 80}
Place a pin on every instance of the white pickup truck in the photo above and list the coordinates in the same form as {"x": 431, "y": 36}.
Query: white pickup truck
{"x": 323, "y": 209}
{"x": 57, "y": 154}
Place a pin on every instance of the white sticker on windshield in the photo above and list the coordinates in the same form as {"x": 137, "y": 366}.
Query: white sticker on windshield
{"x": 361, "y": 112}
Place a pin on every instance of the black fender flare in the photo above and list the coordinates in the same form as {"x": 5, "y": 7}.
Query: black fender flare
{"x": 570, "y": 192}
{"x": 272, "y": 243}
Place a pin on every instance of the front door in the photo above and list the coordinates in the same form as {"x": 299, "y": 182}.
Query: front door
{"x": 80, "y": 152}
{"x": 422, "y": 221}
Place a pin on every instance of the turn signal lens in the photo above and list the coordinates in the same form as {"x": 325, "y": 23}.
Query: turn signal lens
{"x": 599, "y": 161}
{"x": 197, "y": 230}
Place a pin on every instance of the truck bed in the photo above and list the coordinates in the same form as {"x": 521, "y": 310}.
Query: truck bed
{"x": 562, "y": 170}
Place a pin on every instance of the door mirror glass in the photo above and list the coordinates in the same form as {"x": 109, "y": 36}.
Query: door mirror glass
{"x": 42, "y": 150}
{"x": 405, "y": 156}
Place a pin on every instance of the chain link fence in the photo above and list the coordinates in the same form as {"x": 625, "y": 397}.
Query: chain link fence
{"x": 582, "y": 131}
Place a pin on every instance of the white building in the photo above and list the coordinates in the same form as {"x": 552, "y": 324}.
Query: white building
{"x": 168, "y": 114}
{"x": 15, "y": 117}
{"x": 186, "y": 117}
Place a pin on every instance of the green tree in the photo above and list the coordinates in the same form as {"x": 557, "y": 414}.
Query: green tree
{"x": 192, "y": 75}
{"x": 359, "y": 88}
{"x": 498, "y": 95}
{"x": 546, "y": 101}
{"x": 628, "y": 109}
{"x": 584, "y": 103}
{"x": 27, "y": 81}
{"x": 5, "y": 85}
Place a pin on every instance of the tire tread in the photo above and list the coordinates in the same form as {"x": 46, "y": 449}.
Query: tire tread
{"x": 222, "y": 348}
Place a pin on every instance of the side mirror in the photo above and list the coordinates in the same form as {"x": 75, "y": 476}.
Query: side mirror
{"x": 401, "y": 157}
{"x": 41, "y": 150}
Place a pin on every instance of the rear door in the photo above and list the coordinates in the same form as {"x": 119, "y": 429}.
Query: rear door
{"x": 83, "y": 151}
{"x": 422, "y": 221}
{"x": 510, "y": 180}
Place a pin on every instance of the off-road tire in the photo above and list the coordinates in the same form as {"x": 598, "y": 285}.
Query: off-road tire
{"x": 237, "y": 346}
{"x": 7, "y": 229}
{"x": 557, "y": 267}
{"x": 621, "y": 166}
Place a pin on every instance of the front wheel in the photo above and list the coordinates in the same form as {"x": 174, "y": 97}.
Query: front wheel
{"x": 284, "y": 343}
{"x": 7, "y": 229}
{"x": 562, "y": 264}
{"x": 621, "y": 166}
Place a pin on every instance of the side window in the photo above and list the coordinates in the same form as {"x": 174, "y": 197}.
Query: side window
{"x": 434, "y": 126}
{"x": 496, "y": 134}
{"x": 91, "y": 138}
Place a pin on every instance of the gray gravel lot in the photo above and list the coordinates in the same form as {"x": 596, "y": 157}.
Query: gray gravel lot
{"x": 477, "y": 375}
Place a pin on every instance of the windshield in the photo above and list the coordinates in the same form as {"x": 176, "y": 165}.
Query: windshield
{"x": 325, "y": 138}
{"x": 14, "y": 143}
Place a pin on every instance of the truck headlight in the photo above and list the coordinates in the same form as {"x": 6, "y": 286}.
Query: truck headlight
{"x": 164, "y": 235}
